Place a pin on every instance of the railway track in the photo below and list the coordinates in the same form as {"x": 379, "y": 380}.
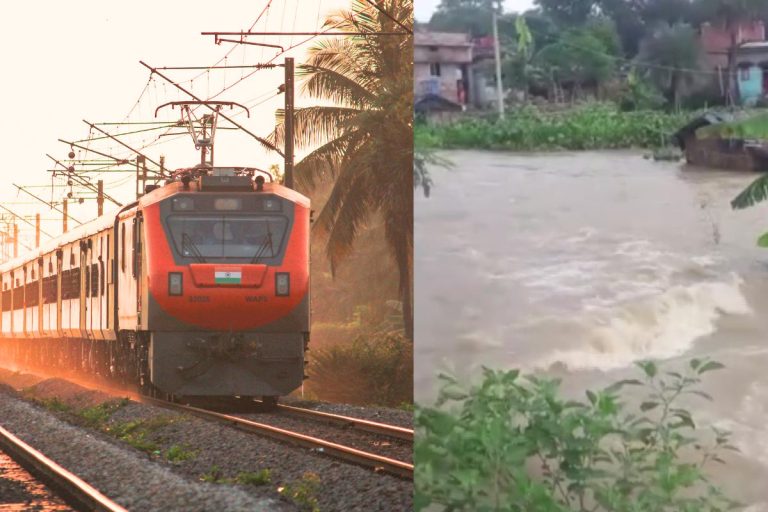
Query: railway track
{"x": 347, "y": 453}
{"x": 405, "y": 434}
{"x": 76, "y": 492}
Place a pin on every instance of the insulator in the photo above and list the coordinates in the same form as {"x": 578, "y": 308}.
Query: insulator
{"x": 71, "y": 154}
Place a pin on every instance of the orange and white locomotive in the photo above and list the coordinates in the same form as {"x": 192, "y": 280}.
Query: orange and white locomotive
{"x": 200, "y": 288}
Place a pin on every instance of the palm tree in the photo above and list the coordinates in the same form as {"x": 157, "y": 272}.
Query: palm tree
{"x": 672, "y": 56}
{"x": 364, "y": 139}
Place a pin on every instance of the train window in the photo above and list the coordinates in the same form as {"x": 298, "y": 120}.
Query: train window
{"x": 94, "y": 280}
{"x": 50, "y": 267}
{"x": 49, "y": 290}
{"x": 33, "y": 272}
{"x": 6, "y": 299}
{"x": 18, "y": 297}
{"x": 32, "y": 294}
{"x": 227, "y": 236}
{"x": 87, "y": 281}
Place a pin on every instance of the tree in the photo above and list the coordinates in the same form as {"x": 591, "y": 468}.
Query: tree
{"x": 579, "y": 57}
{"x": 567, "y": 13}
{"x": 363, "y": 140}
{"x": 671, "y": 58}
{"x": 472, "y": 16}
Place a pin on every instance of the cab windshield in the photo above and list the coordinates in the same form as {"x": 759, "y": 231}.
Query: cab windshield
{"x": 205, "y": 237}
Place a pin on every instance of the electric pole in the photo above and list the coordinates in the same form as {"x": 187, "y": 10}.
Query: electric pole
{"x": 15, "y": 240}
{"x": 100, "y": 197}
{"x": 64, "y": 225}
{"x": 497, "y": 58}
{"x": 37, "y": 230}
{"x": 288, "y": 180}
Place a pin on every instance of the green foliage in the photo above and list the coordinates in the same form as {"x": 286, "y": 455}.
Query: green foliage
{"x": 54, "y": 404}
{"x": 178, "y": 453}
{"x": 513, "y": 443}
{"x": 753, "y": 127}
{"x": 98, "y": 415}
{"x": 375, "y": 368}
{"x": 216, "y": 476}
{"x": 640, "y": 94}
{"x": 138, "y": 433}
{"x": 261, "y": 477}
{"x": 671, "y": 57}
{"x": 594, "y": 126}
{"x": 303, "y": 492}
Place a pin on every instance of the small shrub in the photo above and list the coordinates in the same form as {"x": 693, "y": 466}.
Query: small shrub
{"x": 98, "y": 415}
{"x": 177, "y": 453}
{"x": 216, "y": 476}
{"x": 375, "y": 368}
{"x": 303, "y": 492}
{"x": 261, "y": 477}
{"x": 54, "y": 404}
{"x": 513, "y": 444}
{"x": 213, "y": 476}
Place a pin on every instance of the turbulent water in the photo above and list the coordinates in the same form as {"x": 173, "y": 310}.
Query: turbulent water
{"x": 580, "y": 264}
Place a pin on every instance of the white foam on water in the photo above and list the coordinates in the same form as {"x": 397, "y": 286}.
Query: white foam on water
{"x": 659, "y": 326}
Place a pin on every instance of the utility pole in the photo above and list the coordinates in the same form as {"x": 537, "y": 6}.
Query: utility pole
{"x": 37, "y": 230}
{"x": 497, "y": 58}
{"x": 100, "y": 197}
{"x": 64, "y": 225}
{"x": 288, "y": 180}
{"x": 15, "y": 240}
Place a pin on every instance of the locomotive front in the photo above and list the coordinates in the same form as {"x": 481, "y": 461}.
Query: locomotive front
{"x": 226, "y": 302}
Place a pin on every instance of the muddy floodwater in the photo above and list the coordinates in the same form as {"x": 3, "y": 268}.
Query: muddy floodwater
{"x": 579, "y": 264}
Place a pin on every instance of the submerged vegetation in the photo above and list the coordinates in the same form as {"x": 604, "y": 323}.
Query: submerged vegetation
{"x": 590, "y": 126}
{"x": 514, "y": 443}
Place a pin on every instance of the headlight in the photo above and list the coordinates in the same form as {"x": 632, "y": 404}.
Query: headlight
{"x": 175, "y": 283}
{"x": 272, "y": 204}
{"x": 282, "y": 283}
{"x": 184, "y": 204}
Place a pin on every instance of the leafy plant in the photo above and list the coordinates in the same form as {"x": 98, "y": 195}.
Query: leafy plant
{"x": 591, "y": 126}
{"x": 216, "y": 476}
{"x": 178, "y": 453}
{"x": 303, "y": 492}
{"x": 261, "y": 477}
{"x": 514, "y": 444}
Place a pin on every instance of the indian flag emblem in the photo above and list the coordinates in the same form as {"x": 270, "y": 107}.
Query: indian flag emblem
{"x": 228, "y": 276}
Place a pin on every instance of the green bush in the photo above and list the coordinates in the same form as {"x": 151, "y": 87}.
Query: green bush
{"x": 591, "y": 126}
{"x": 374, "y": 369}
{"x": 514, "y": 444}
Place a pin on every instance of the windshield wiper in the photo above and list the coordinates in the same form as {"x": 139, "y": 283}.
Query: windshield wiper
{"x": 263, "y": 247}
{"x": 186, "y": 242}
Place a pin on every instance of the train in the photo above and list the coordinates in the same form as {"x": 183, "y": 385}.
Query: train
{"x": 200, "y": 288}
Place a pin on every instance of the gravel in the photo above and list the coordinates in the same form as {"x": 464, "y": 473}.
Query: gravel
{"x": 398, "y": 417}
{"x": 374, "y": 443}
{"x": 122, "y": 474}
{"x": 222, "y": 451}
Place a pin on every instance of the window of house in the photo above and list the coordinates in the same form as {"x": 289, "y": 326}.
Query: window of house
{"x": 434, "y": 69}
{"x": 745, "y": 73}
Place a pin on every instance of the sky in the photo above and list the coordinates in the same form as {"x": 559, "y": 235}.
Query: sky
{"x": 424, "y": 8}
{"x": 80, "y": 59}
